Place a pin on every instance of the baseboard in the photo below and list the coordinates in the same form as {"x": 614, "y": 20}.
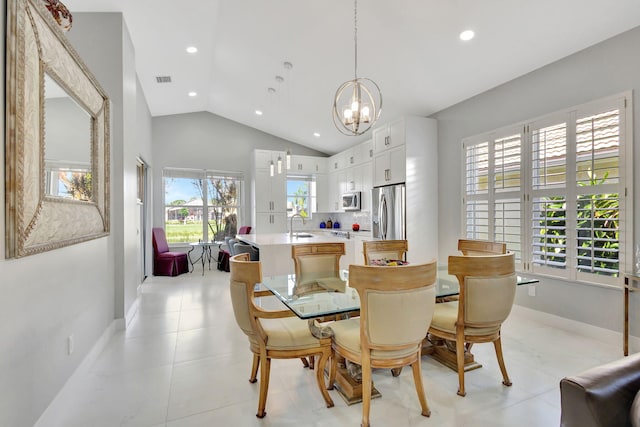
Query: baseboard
{"x": 607, "y": 336}
{"x": 83, "y": 368}
{"x": 133, "y": 310}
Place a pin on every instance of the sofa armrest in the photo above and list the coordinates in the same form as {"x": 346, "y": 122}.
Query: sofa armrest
{"x": 601, "y": 396}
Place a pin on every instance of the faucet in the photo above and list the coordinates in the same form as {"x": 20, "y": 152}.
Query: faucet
{"x": 291, "y": 227}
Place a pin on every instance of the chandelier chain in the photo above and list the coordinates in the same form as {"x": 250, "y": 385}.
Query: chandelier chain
{"x": 355, "y": 37}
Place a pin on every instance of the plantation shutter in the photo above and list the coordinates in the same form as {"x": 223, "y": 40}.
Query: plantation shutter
{"x": 548, "y": 195}
{"x": 507, "y": 205}
{"x": 476, "y": 199}
{"x": 598, "y": 202}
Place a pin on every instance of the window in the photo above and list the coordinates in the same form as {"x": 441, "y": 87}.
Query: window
{"x": 299, "y": 195}
{"x": 68, "y": 180}
{"x": 554, "y": 190}
{"x": 201, "y": 205}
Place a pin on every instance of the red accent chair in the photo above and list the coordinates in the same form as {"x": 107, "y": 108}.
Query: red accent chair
{"x": 245, "y": 229}
{"x": 166, "y": 263}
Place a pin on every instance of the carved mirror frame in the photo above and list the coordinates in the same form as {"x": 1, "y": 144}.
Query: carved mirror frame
{"x": 36, "y": 222}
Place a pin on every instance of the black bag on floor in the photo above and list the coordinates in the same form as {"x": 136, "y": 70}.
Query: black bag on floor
{"x": 223, "y": 261}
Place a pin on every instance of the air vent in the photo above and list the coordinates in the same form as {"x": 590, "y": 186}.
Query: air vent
{"x": 163, "y": 79}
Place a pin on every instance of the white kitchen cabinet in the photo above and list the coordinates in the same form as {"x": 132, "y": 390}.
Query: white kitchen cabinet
{"x": 308, "y": 165}
{"x": 389, "y": 167}
{"x": 388, "y": 136}
{"x": 269, "y": 197}
{"x": 323, "y": 202}
{"x": 271, "y": 222}
{"x": 367, "y": 185}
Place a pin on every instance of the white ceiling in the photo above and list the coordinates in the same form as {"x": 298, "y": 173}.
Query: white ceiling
{"x": 409, "y": 47}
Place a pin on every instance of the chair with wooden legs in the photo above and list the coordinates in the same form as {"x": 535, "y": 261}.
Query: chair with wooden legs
{"x": 396, "y": 305}
{"x": 317, "y": 262}
{"x": 487, "y": 290}
{"x": 272, "y": 334}
{"x": 384, "y": 249}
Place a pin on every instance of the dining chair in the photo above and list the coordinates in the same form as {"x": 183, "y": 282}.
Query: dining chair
{"x": 396, "y": 306}
{"x": 316, "y": 261}
{"x": 384, "y": 249}
{"x": 165, "y": 262}
{"x": 272, "y": 334}
{"x": 487, "y": 290}
{"x": 481, "y": 247}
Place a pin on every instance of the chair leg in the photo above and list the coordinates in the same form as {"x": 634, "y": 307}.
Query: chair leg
{"x": 304, "y": 362}
{"x": 332, "y": 370}
{"x": 460, "y": 364}
{"x": 264, "y": 387}
{"x": 505, "y": 377}
{"x": 320, "y": 376}
{"x": 254, "y": 368}
{"x": 417, "y": 379}
{"x": 366, "y": 391}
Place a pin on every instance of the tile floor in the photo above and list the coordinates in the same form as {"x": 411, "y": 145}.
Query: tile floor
{"x": 183, "y": 362}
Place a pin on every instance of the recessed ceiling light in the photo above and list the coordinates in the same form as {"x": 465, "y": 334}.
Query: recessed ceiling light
{"x": 316, "y": 134}
{"x": 467, "y": 35}
{"x": 192, "y": 94}
{"x": 259, "y": 112}
{"x": 192, "y": 49}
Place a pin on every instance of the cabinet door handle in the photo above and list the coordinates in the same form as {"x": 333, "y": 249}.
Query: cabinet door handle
{"x": 371, "y": 152}
{"x": 387, "y": 174}
{"x": 386, "y": 140}
{"x": 351, "y": 159}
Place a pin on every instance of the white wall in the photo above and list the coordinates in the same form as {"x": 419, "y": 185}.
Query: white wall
{"x": 44, "y": 299}
{"x": 103, "y": 40}
{"x": 605, "y": 69}
{"x": 207, "y": 141}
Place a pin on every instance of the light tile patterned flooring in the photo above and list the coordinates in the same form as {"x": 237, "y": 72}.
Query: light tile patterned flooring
{"x": 183, "y": 362}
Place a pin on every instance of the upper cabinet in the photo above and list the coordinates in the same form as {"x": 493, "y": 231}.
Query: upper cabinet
{"x": 269, "y": 193}
{"x": 388, "y": 136}
{"x": 308, "y": 165}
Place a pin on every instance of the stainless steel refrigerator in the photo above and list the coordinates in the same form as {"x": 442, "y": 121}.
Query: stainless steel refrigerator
{"x": 388, "y": 212}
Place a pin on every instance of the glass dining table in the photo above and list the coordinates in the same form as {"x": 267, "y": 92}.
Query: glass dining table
{"x": 323, "y": 295}
{"x": 327, "y": 295}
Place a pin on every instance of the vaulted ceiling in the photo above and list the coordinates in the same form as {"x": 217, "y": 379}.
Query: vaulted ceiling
{"x": 410, "y": 48}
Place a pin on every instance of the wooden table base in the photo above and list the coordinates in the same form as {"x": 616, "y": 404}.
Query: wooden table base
{"x": 349, "y": 389}
{"x": 439, "y": 351}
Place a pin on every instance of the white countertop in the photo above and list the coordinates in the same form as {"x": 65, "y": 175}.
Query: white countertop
{"x": 271, "y": 239}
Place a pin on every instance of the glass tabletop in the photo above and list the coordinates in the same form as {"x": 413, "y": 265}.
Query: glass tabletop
{"x": 325, "y": 294}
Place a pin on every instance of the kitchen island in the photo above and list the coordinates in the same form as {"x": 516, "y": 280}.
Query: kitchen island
{"x": 275, "y": 249}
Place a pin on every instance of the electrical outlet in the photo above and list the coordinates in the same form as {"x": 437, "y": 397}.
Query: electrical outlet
{"x": 70, "y": 345}
{"x": 532, "y": 290}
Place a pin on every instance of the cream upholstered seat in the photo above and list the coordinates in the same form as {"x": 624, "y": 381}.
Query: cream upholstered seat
{"x": 272, "y": 334}
{"x": 384, "y": 249}
{"x": 487, "y": 290}
{"x": 396, "y": 305}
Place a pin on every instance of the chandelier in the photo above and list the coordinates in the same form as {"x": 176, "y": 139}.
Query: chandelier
{"x": 358, "y": 102}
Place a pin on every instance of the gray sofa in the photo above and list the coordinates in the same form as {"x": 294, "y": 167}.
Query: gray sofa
{"x": 602, "y": 396}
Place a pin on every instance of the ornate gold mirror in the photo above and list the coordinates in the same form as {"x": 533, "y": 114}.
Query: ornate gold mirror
{"x": 57, "y": 142}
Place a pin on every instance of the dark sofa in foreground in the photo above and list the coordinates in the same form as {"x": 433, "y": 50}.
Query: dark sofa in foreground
{"x": 602, "y": 396}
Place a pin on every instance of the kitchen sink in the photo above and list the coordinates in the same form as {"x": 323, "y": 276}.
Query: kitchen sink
{"x": 303, "y": 235}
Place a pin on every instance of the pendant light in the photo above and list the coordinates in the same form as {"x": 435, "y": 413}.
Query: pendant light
{"x": 288, "y": 157}
{"x": 358, "y": 102}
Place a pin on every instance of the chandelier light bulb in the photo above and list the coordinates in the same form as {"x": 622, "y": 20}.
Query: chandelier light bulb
{"x": 279, "y": 165}
{"x": 271, "y": 169}
{"x": 288, "y": 157}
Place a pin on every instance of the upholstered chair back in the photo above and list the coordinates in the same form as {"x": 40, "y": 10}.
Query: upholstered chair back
{"x": 244, "y": 275}
{"x": 314, "y": 260}
{"x": 396, "y": 306}
{"x": 384, "y": 249}
{"x": 488, "y": 291}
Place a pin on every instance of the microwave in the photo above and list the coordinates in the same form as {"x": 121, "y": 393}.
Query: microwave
{"x": 351, "y": 201}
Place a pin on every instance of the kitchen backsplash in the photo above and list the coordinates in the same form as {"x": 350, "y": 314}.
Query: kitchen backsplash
{"x": 345, "y": 219}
